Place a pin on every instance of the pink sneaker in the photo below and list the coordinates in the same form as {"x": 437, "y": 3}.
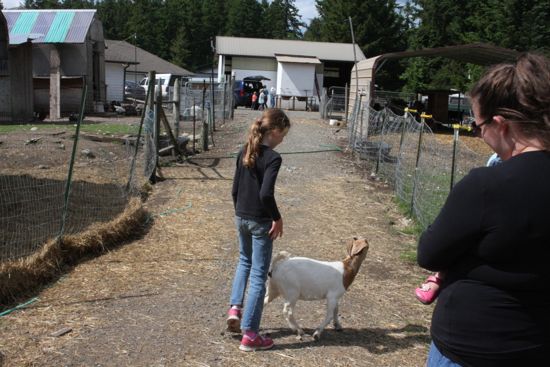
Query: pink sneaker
{"x": 234, "y": 320}
{"x": 258, "y": 343}
{"x": 429, "y": 291}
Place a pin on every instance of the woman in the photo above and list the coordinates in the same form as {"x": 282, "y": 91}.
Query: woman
{"x": 492, "y": 236}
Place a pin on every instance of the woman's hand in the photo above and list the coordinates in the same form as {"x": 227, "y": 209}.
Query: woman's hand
{"x": 276, "y": 229}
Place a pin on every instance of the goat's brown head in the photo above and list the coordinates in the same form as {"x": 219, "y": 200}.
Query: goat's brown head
{"x": 358, "y": 247}
{"x": 357, "y": 251}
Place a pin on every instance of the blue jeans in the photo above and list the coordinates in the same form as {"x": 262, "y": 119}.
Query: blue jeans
{"x": 255, "y": 248}
{"x": 436, "y": 359}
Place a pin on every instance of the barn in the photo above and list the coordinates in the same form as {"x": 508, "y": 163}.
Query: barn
{"x": 294, "y": 68}
{"x": 66, "y": 51}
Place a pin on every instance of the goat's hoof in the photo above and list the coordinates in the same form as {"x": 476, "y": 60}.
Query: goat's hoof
{"x": 317, "y": 335}
{"x": 298, "y": 337}
{"x": 338, "y": 328}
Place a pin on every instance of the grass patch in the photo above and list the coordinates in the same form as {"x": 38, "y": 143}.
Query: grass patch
{"x": 409, "y": 253}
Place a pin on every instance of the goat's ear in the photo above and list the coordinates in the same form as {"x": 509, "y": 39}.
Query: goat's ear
{"x": 349, "y": 247}
{"x": 358, "y": 245}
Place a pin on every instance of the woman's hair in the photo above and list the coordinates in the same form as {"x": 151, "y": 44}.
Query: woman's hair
{"x": 520, "y": 93}
{"x": 272, "y": 119}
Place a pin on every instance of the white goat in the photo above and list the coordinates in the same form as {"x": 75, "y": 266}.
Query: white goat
{"x": 296, "y": 278}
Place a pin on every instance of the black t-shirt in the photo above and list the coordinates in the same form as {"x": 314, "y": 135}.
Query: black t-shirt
{"x": 492, "y": 238}
{"x": 254, "y": 188}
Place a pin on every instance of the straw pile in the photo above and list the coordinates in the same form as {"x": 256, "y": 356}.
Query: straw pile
{"x": 19, "y": 278}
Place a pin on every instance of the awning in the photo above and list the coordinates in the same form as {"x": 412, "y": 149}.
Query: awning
{"x": 475, "y": 53}
{"x": 298, "y": 59}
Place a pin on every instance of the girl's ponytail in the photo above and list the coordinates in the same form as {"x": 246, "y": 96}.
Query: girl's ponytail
{"x": 252, "y": 147}
{"x": 271, "y": 119}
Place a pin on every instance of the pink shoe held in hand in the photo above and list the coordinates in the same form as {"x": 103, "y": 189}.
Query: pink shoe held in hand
{"x": 234, "y": 320}
{"x": 428, "y": 292}
{"x": 252, "y": 344}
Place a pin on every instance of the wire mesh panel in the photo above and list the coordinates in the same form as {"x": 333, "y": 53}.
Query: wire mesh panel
{"x": 33, "y": 174}
{"x": 421, "y": 165}
{"x": 33, "y": 183}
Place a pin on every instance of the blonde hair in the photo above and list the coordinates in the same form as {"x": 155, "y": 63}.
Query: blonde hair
{"x": 271, "y": 119}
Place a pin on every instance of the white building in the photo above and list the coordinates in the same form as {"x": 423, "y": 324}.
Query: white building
{"x": 295, "y": 68}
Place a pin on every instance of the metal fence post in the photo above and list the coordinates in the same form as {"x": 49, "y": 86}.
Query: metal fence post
{"x": 176, "y": 107}
{"x": 455, "y": 146}
{"x": 223, "y": 102}
{"x": 418, "y": 150}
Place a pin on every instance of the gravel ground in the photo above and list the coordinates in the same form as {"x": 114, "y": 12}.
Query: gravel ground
{"x": 161, "y": 300}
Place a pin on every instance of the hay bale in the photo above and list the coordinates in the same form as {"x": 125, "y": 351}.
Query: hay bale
{"x": 20, "y": 277}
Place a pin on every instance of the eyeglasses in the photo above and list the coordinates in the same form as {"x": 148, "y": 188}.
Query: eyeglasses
{"x": 476, "y": 129}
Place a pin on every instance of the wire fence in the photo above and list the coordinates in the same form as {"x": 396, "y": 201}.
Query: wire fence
{"x": 54, "y": 181}
{"x": 421, "y": 166}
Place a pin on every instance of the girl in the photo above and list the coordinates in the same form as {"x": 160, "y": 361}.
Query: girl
{"x": 258, "y": 223}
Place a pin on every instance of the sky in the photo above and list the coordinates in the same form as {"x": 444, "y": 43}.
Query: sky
{"x": 11, "y": 3}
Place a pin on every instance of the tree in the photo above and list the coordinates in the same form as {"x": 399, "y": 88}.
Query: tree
{"x": 42, "y": 4}
{"x": 244, "y": 18}
{"x": 378, "y": 29}
{"x": 283, "y": 20}
{"x": 313, "y": 31}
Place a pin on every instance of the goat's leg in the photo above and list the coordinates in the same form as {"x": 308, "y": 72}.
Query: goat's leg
{"x": 288, "y": 312}
{"x": 335, "y": 321}
{"x": 332, "y": 303}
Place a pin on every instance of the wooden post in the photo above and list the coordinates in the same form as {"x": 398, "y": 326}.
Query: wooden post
{"x": 204, "y": 134}
{"x": 176, "y": 107}
{"x": 55, "y": 84}
{"x": 194, "y": 123}
{"x": 157, "y": 98}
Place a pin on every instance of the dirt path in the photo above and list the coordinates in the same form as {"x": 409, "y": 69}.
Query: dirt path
{"x": 161, "y": 300}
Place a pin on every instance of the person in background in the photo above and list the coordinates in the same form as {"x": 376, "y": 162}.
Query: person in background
{"x": 492, "y": 235}
{"x": 272, "y": 97}
{"x": 261, "y": 100}
{"x": 254, "y": 100}
{"x": 258, "y": 223}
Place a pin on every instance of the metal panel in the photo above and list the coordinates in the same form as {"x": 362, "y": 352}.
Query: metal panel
{"x": 43, "y": 23}
{"x": 24, "y": 23}
{"x": 80, "y": 26}
{"x": 59, "y": 28}
{"x": 49, "y": 26}
{"x": 268, "y": 48}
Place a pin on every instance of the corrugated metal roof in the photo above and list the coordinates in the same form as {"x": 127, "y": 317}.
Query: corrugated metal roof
{"x": 260, "y": 47}
{"x": 298, "y": 59}
{"x": 474, "y": 53}
{"x": 49, "y": 26}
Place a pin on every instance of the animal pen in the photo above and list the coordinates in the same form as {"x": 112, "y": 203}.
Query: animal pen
{"x": 65, "y": 193}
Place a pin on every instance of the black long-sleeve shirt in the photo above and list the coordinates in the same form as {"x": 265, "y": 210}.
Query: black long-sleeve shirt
{"x": 492, "y": 239}
{"x": 254, "y": 188}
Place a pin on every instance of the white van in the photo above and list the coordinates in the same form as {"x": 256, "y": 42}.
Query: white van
{"x": 166, "y": 84}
